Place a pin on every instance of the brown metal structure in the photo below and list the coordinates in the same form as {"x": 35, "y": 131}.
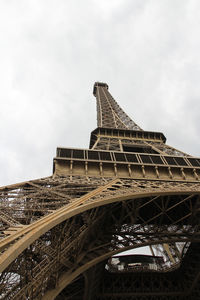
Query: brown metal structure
{"x": 128, "y": 190}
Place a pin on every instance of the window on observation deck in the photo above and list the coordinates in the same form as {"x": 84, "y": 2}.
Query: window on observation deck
{"x": 139, "y": 149}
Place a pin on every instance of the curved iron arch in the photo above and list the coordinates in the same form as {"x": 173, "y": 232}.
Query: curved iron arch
{"x": 33, "y": 231}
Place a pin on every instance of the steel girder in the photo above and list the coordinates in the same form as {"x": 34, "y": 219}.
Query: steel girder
{"x": 121, "y": 215}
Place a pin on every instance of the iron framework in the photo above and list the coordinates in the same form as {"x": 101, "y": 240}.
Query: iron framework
{"x": 127, "y": 191}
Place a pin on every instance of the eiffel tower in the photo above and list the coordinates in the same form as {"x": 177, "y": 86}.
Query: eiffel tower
{"x": 63, "y": 236}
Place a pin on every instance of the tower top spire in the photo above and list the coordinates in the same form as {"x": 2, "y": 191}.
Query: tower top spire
{"x": 99, "y": 84}
{"x": 109, "y": 113}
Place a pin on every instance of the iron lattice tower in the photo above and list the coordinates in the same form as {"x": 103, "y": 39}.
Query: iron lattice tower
{"x": 128, "y": 190}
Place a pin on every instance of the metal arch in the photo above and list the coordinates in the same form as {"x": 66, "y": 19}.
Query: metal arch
{"x": 95, "y": 200}
{"x": 34, "y": 231}
{"x": 68, "y": 277}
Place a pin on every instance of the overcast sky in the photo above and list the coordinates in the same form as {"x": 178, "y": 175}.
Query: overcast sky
{"x": 52, "y": 52}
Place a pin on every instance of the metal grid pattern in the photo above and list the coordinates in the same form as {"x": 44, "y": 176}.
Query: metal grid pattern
{"x": 58, "y": 233}
{"x": 109, "y": 113}
{"x": 124, "y": 214}
{"x": 126, "y": 157}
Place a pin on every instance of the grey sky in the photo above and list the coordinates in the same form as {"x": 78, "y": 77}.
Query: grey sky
{"x": 51, "y": 53}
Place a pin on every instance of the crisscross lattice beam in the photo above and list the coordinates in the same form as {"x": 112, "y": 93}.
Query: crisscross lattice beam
{"x": 109, "y": 113}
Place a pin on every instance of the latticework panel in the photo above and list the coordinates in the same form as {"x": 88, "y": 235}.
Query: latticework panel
{"x": 59, "y": 234}
{"x": 117, "y": 215}
{"x": 136, "y": 145}
{"x": 166, "y": 149}
{"x": 24, "y": 203}
{"x": 109, "y": 113}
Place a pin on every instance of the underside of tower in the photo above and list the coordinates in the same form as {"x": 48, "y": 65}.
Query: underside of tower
{"x": 63, "y": 237}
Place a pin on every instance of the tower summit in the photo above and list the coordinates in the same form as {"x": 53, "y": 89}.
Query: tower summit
{"x": 109, "y": 113}
{"x": 62, "y": 237}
